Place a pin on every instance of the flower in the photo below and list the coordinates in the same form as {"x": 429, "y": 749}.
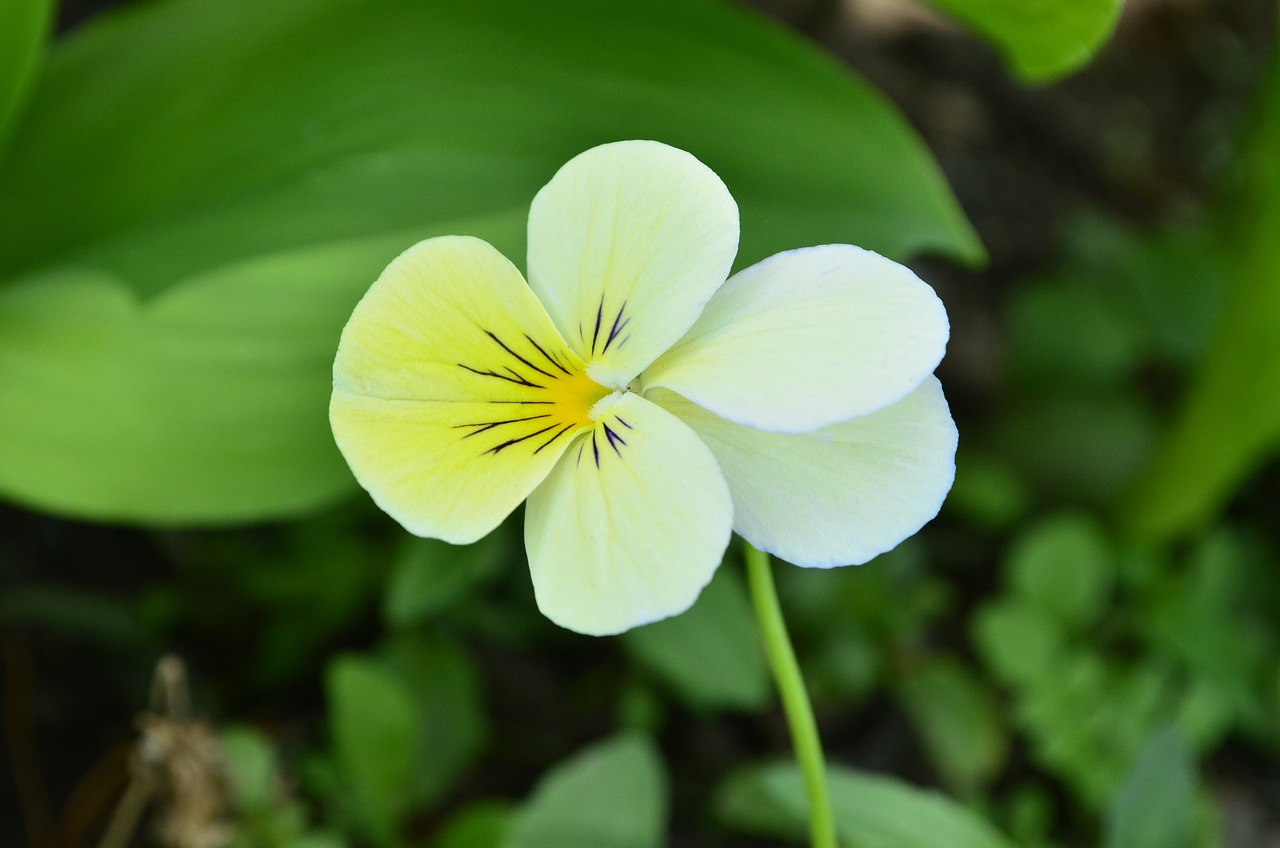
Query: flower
{"x": 642, "y": 404}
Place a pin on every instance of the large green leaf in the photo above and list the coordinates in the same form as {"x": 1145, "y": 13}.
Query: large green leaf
{"x": 24, "y": 25}
{"x": 870, "y": 811}
{"x": 1041, "y": 39}
{"x": 202, "y": 189}
{"x": 1231, "y": 418}
{"x": 613, "y": 795}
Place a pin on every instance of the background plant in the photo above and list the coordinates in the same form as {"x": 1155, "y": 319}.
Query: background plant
{"x": 1082, "y": 650}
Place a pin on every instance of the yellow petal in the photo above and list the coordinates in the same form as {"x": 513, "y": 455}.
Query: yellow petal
{"x": 626, "y": 244}
{"x": 454, "y": 394}
{"x": 631, "y": 523}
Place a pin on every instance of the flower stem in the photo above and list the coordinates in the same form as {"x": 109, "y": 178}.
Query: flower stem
{"x": 795, "y": 700}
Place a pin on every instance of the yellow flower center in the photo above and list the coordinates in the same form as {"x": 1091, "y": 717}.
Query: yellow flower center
{"x": 573, "y": 397}
{"x": 541, "y": 395}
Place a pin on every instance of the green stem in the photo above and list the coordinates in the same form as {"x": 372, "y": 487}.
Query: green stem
{"x": 795, "y": 700}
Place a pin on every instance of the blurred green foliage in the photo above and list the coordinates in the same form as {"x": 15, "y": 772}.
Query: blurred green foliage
{"x": 243, "y": 175}
{"x": 1041, "y": 39}
{"x": 1091, "y": 619}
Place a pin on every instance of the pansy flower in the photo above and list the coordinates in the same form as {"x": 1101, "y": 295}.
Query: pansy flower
{"x": 643, "y": 402}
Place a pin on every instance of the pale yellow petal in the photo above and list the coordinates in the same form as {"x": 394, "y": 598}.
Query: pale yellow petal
{"x": 630, "y": 525}
{"x": 454, "y": 394}
{"x": 626, "y": 244}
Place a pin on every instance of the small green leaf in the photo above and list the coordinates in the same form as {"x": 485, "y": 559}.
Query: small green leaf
{"x": 986, "y": 492}
{"x": 442, "y": 681}
{"x": 1018, "y": 641}
{"x": 24, "y": 26}
{"x": 241, "y": 174}
{"x": 612, "y": 795}
{"x": 1041, "y": 39}
{"x": 429, "y": 576}
{"x": 375, "y": 728}
{"x": 1066, "y": 566}
{"x": 958, "y": 721}
{"x": 480, "y": 825}
{"x": 251, "y": 762}
{"x": 1230, "y": 419}
{"x": 871, "y": 811}
{"x": 711, "y": 654}
{"x": 1156, "y": 806}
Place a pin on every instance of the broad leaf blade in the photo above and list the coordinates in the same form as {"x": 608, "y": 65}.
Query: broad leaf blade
{"x": 268, "y": 161}
{"x": 24, "y": 25}
{"x": 871, "y": 811}
{"x": 613, "y": 795}
{"x": 1041, "y": 39}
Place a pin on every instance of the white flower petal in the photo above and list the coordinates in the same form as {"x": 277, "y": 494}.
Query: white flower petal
{"x": 626, "y": 244}
{"x": 630, "y": 524}
{"x": 842, "y": 495}
{"x": 808, "y": 338}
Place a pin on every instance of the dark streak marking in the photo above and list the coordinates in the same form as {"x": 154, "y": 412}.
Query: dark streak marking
{"x": 557, "y": 435}
{"x": 509, "y": 442}
{"x": 614, "y": 439}
{"x": 623, "y": 422}
{"x": 518, "y": 380}
{"x": 518, "y": 356}
{"x": 595, "y": 448}
{"x": 599, "y": 318}
{"x": 525, "y": 402}
{"x": 581, "y": 445}
{"x": 489, "y": 425}
{"x": 618, "y": 325}
{"x": 548, "y": 356}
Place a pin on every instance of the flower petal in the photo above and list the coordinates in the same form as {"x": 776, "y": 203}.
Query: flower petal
{"x": 453, "y": 394}
{"x": 808, "y": 338}
{"x": 842, "y": 495}
{"x": 630, "y": 525}
{"x": 626, "y": 244}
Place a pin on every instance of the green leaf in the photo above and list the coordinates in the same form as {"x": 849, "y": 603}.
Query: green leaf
{"x": 711, "y": 654}
{"x": 1156, "y": 806}
{"x": 430, "y": 576}
{"x": 480, "y": 825}
{"x": 871, "y": 811}
{"x": 1041, "y": 39}
{"x": 251, "y": 766}
{"x": 612, "y": 795}
{"x": 1230, "y": 420}
{"x": 1018, "y": 641}
{"x": 442, "y": 681}
{"x": 24, "y": 26}
{"x": 1066, "y": 566}
{"x": 241, "y": 173}
{"x": 375, "y": 728}
{"x": 958, "y": 721}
